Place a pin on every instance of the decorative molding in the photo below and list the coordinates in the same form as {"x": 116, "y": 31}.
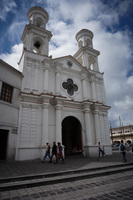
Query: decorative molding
{"x": 78, "y": 115}
{"x": 69, "y": 63}
{"x": 53, "y": 101}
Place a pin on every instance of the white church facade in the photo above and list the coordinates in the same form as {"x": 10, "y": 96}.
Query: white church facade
{"x": 62, "y": 99}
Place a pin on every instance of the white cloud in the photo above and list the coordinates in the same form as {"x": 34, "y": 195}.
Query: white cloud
{"x": 13, "y": 57}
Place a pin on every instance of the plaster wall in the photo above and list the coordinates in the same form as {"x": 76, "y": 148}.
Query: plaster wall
{"x": 9, "y": 112}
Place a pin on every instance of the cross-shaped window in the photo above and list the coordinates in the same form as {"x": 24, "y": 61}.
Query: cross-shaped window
{"x": 70, "y": 86}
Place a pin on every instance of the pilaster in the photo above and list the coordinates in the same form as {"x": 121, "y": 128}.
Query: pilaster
{"x": 46, "y": 77}
{"x": 106, "y": 126}
{"x": 45, "y": 121}
{"x": 98, "y": 90}
{"x": 58, "y": 74}
{"x": 97, "y": 126}
{"x": 25, "y": 128}
{"x": 95, "y": 65}
{"x": 84, "y": 88}
{"x": 89, "y": 135}
{"x": 58, "y": 124}
{"x": 35, "y": 81}
{"x": 103, "y": 91}
{"x": 93, "y": 88}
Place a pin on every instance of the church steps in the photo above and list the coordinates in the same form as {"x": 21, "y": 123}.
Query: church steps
{"x": 60, "y": 177}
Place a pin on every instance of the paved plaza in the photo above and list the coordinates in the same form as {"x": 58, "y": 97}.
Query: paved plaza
{"x": 118, "y": 186}
{"x": 113, "y": 186}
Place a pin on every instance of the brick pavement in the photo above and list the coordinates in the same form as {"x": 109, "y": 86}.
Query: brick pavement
{"x": 115, "y": 186}
{"x": 23, "y": 168}
{"x": 105, "y": 188}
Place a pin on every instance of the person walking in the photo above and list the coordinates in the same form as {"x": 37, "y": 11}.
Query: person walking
{"x": 54, "y": 152}
{"x": 123, "y": 151}
{"x": 47, "y": 152}
{"x": 100, "y": 150}
{"x": 59, "y": 153}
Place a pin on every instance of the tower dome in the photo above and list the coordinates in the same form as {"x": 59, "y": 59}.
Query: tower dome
{"x": 84, "y": 38}
{"x": 38, "y": 16}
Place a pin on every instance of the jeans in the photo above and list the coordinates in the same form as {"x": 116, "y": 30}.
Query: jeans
{"x": 46, "y": 154}
{"x": 124, "y": 156}
{"x": 100, "y": 151}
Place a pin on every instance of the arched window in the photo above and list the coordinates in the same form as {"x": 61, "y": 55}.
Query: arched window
{"x": 39, "y": 22}
{"x": 80, "y": 44}
{"x": 37, "y": 45}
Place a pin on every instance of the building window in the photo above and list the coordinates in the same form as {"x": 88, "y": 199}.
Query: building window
{"x": 70, "y": 86}
{"x": 69, "y": 63}
{"x": 6, "y": 93}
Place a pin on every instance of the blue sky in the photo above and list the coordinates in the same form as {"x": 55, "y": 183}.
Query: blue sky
{"x": 111, "y": 21}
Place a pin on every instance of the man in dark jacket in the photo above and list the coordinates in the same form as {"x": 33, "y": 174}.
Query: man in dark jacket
{"x": 54, "y": 151}
{"x": 123, "y": 151}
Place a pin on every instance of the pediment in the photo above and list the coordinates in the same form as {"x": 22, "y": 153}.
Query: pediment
{"x": 70, "y": 63}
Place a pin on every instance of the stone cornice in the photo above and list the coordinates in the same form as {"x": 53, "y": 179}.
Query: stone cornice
{"x": 35, "y": 29}
{"x": 89, "y": 50}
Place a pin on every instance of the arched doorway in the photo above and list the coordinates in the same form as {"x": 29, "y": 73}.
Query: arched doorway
{"x": 71, "y": 135}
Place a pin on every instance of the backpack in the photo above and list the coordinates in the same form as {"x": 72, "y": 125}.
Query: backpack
{"x": 122, "y": 147}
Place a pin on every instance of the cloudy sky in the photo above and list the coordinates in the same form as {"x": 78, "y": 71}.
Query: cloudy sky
{"x": 111, "y": 21}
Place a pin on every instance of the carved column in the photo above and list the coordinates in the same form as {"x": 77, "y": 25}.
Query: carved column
{"x": 97, "y": 126}
{"x": 45, "y": 123}
{"x": 58, "y": 124}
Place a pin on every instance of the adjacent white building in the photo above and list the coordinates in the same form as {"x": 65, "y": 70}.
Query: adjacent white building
{"x": 62, "y": 99}
{"x": 10, "y": 88}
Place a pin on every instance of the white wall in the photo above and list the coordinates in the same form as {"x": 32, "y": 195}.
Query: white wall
{"x": 9, "y": 111}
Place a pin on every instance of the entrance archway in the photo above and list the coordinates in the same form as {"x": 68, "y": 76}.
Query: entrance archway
{"x": 71, "y": 135}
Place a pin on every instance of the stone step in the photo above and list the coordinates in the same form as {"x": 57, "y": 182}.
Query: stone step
{"x": 60, "y": 177}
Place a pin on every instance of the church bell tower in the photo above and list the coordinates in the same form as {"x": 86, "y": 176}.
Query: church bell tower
{"x": 35, "y": 40}
{"x": 86, "y": 55}
{"x": 35, "y": 36}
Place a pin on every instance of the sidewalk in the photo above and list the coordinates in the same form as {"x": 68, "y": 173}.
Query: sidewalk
{"x": 23, "y": 168}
